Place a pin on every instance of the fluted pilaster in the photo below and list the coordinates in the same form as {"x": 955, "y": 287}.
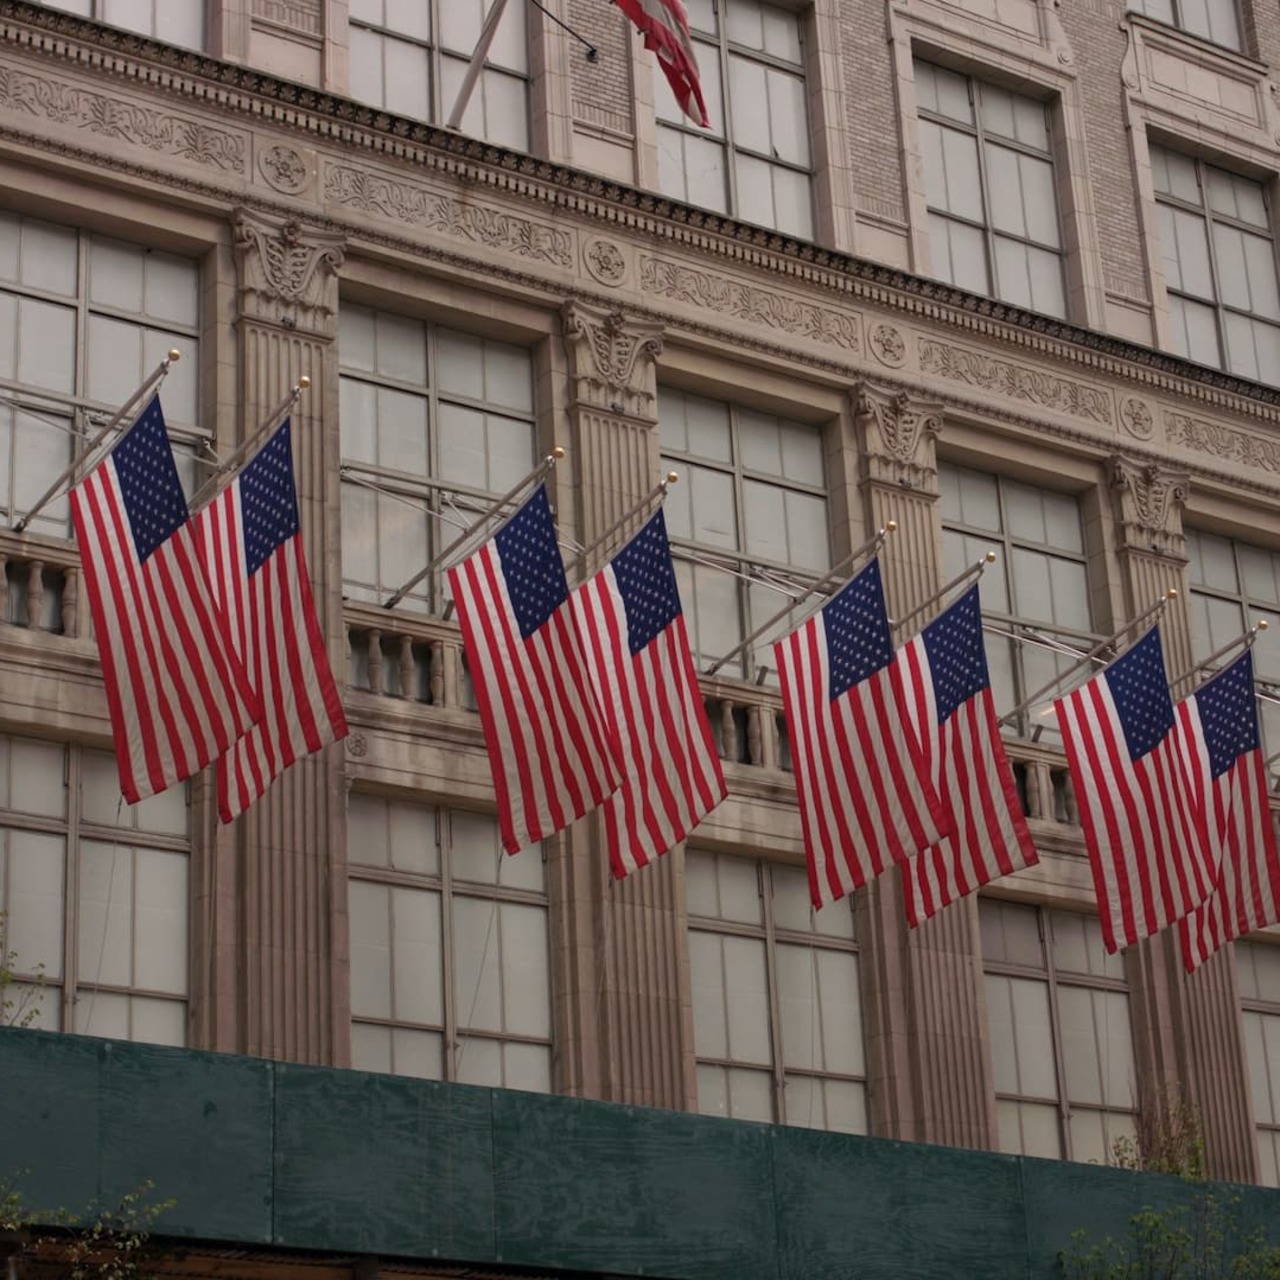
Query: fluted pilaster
{"x": 1187, "y": 1037}
{"x": 290, "y": 847}
{"x": 926, "y": 1022}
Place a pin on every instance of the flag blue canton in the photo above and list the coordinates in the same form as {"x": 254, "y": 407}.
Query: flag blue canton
{"x": 149, "y": 484}
{"x": 957, "y": 654}
{"x": 1229, "y": 715}
{"x": 857, "y": 627}
{"x": 1140, "y": 690}
{"x": 647, "y": 583}
{"x": 531, "y": 564}
{"x": 268, "y": 500}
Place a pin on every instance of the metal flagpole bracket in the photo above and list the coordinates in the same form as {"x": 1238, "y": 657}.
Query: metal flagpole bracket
{"x": 659, "y": 490}
{"x": 222, "y": 473}
{"x": 152, "y": 380}
{"x": 975, "y": 570}
{"x": 1245, "y": 641}
{"x": 495, "y": 508}
{"x": 872, "y": 545}
{"x": 1085, "y": 658}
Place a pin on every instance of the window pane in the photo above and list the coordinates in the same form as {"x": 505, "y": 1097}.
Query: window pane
{"x": 417, "y": 976}
{"x": 31, "y": 895}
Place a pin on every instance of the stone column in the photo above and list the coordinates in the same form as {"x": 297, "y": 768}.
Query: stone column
{"x": 928, "y": 1063}
{"x": 290, "y": 847}
{"x": 621, "y": 1027}
{"x": 1187, "y": 1036}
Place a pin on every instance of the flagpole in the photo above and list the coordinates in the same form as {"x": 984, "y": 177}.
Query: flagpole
{"x": 832, "y": 576}
{"x": 153, "y": 379}
{"x": 534, "y": 477}
{"x": 1086, "y": 658}
{"x": 206, "y": 493}
{"x": 1246, "y": 641}
{"x": 658, "y": 490}
{"x": 975, "y": 570}
{"x": 476, "y": 65}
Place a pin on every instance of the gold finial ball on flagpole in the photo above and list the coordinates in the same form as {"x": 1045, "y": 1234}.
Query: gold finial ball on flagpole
{"x": 991, "y": 557}
{"x": 558, "y": 452}
{"x": 891, "y": 526}
{"x": 303, "y": 382}
{"x": 1172, "y": 594}
{"x": 174, "y": 355}
{"x": 1262, "y": 624}
{"x": 673, "y": 477}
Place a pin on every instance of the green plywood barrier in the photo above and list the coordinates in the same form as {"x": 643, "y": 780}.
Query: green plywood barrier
{"x": 664, "y": 1193}
{"x": 313, "y": 1158}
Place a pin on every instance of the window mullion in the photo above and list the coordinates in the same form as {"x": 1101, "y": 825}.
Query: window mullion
{"x": 1219, "y": 308}
{"x": 71, "y": 891}
{"x": 988, "y": 228}
{"x": 765, "y": 881}
{"x": 730, "y": 146}
{"x": 1045, "y": 924}
{"x": 444, "y": 848}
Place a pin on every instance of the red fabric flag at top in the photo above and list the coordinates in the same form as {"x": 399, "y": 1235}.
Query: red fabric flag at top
{"x": 665, "y": 27}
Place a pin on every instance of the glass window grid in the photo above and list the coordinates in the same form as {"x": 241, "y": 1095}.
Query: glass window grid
{"x": 450, "y": 889}
{"x": 180, "y": 22}
{"x": 1054, "y": 978}
{"x": 712, "y": 43}
{"x": 771, "y": 934}
{"x": 1213, "y": 301}
{"x": 960, "y": 538}
{"x": 1214, "y": 20}
{"x": 983, "y": 136}
{"x": 29, "y": 406}
{"x": 445, "y": 505}
{"x": 1230, "y": 590}
{"x": 751, "y": 612}
{"x": 436, "y": 57}
{"x": 58, "y": 991}
{"x": 1258, "y": 966}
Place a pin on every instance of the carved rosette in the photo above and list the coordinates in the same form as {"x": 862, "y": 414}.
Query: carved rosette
{"x": 1149, "y": 504}
{"x": 897, "y": 434}
{"x": 288, "y": 272}
{"x": 611, "y": 360}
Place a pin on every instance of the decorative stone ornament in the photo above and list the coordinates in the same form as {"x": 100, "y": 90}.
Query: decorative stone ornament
{"x": 897, "y": 435}
{"x": 611, "y": 359}
{"x": 288, "y": 274}
{"x": 1149, "y": 504}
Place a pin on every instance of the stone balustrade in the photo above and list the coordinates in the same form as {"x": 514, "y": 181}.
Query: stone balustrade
{"x": 40, "y": 585}
{"x": 406, "y": 656}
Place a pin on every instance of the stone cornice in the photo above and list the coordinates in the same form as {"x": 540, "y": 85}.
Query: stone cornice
{"x": 236, "y": 90}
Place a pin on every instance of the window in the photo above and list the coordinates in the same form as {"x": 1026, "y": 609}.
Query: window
{"x": 83, "y": 320}
{"x": 96, "y": 895}
{"x": 409, "y": 57}
{"x": 173, "y": 21}
{"x": 432, "y": 423}
{"x": 1060, "y": 1039}
{"x": 777, "y": 1016}
{"x": 1258, "y": 966}
{"x": 751, "y": 497}
{"x": 1035, "y": 597}
{"x": 1219, "y": 266}
{"x": 993, "y": 211}
{"x": 754, "y": 161}
{"x": 1215, "y": 20}
{"x": 450, "y": 960}
{"x": 1232, "y": 585}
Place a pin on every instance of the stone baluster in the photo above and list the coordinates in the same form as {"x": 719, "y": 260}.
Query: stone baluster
{"x": 408, "y": 676}
{"x": 70, "y": 600}
{"x": 35, "y": 595}
{"x": 374, "y": 639}
{"x": 437, "y": 681}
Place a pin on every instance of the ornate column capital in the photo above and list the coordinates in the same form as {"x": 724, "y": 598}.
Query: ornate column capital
{"x": 1149, "y": 500}
{"x": 288, "y": 273}
{"x": 611, "y": 359}
{"x": 896, "y": 434}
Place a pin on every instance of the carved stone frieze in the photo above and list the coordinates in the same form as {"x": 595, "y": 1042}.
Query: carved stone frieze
{"x": 45, "y": 98}
{"x": 713, "y": 292}
{"x": 288, "y": 273}
{"x": 611, "y": 360}
{"x": 1002, "y": 377}
{"x": 1149, "y": 503}
{"x": 419, "y": 206}
{"x": 896, "y": 436}
{"x": 1224, "y": 443}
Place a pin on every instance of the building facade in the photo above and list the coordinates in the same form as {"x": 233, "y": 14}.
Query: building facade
{"x": 1001, "y": 271}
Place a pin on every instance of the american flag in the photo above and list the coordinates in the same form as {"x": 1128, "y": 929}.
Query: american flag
{"x": 638, "y": 651}
{"x": 954, "y": 717}
{"x": 665, "y": 27}
{"x": 1218, "y": 727}
{"x": 865, "y": 796}
{"x": 1147, "y": 844}
{"x": 252, "y": 550}
{"x": 177, "y": 693}
{"x": 552, "y": 754}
